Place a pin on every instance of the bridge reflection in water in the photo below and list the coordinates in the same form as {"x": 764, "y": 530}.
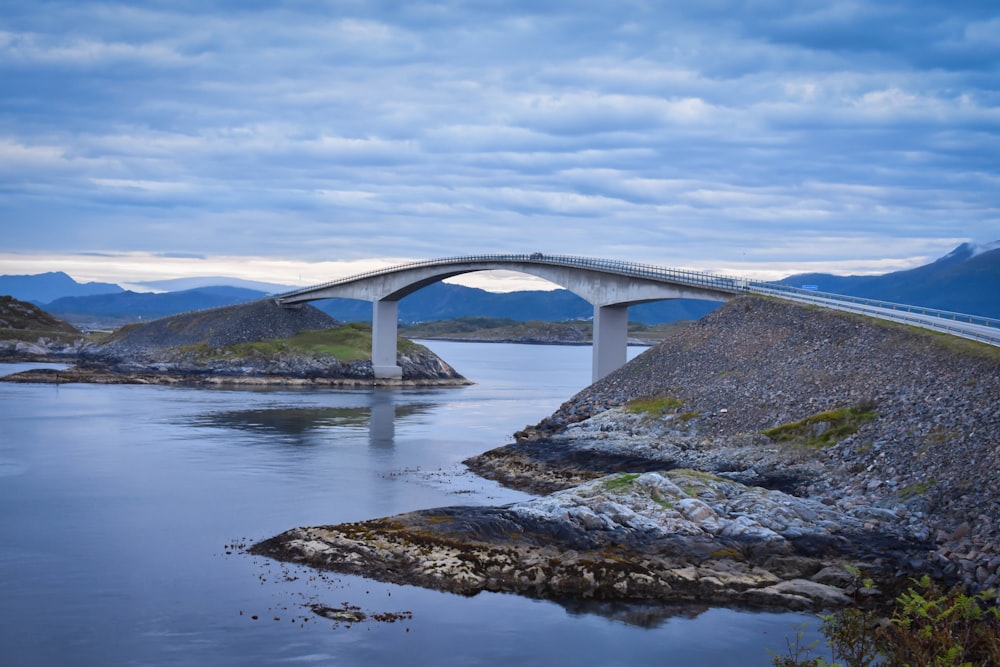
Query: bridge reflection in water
{"x": 312, "y": 426}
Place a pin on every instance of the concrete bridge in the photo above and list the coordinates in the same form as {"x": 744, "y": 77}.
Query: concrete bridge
{"x": 611, "y": 287}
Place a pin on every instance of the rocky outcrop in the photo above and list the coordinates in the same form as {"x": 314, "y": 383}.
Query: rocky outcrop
{"x": 42, "y": 348}
{"x": 676, "y": 536}
{"x": 757, "y": 364}
{"x": 703, "y": 498}
{"x": 218, "y": 327}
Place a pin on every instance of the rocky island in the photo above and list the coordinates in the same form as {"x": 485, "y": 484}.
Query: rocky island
{"x": 257, "y": 343}
{"x": 746, "y": 460}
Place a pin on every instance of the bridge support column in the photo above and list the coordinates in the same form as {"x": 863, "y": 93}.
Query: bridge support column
{"x": 610, "y": 339}
{"x": 385, "y": 320}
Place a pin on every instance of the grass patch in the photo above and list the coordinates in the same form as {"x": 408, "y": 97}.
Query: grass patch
{"x": 917, "y": 488}
{"x": 348, "y": 342}
{"x": 699, "y": 475}
{"x": 822, "y": 429}
{"x": 655, "y": 406}
{"x": 622, "y": 481}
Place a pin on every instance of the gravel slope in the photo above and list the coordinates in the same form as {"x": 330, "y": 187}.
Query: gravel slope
{"x": 932, "y": 452}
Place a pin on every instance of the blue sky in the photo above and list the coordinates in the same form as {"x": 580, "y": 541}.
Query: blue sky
{"x": 295, "y": 141}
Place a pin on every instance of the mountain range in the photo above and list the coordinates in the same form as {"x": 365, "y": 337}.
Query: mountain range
{"x": 965, "y": 280}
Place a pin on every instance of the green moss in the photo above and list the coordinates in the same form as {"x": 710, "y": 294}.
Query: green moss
{"x": 655, "y": 406}
{"x": 662, "y": 502}
{"x": 822, "y": 429}
{"x": 699, "y": 475}
{"x": 621, "y": 481}
{"x": 917, "y": 488}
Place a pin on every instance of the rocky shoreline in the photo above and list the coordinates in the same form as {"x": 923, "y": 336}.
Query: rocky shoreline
{"x": 92, "y": 375}
{"x": 679, "y": 536}
{"x": 706, "y": 499}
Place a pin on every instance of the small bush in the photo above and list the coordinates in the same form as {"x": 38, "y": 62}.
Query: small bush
{"x": 926, "y": 627}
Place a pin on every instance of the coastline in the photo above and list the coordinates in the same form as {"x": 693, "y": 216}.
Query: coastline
{"x": 756, "y": 520}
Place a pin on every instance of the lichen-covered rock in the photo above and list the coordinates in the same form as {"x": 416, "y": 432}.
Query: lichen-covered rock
{"x": 679, "y": 535}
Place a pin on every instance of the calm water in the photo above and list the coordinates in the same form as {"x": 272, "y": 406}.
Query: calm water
{"x": 119, "y": 503}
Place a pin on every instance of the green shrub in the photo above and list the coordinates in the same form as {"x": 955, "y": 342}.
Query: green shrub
{"x": 926, "y": 627}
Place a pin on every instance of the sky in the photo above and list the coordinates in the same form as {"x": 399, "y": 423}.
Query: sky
{"x": 296, "y": 142}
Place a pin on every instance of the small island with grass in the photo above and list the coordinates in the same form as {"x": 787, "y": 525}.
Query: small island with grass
{"x": 257, "y": 343}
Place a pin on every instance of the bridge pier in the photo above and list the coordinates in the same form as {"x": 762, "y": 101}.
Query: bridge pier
{"x": 610, "y": 339}
{"x": 385, "y": 323}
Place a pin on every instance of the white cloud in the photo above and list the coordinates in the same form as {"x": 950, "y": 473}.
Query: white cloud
{"x": 659, "y": 132}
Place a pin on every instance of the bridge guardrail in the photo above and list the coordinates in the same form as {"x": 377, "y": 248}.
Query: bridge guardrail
{"x": 981, "y": 333}
{"x": 980, "y": 328}
{"x": 978, "y": 320}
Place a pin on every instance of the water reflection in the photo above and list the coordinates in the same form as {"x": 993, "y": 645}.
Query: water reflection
{"x": 299, "y": 425}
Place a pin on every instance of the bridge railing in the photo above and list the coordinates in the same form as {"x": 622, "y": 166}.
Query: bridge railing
{"x": 974, "y": 327}
{"x": 403, "y": 267}
{"x": 885, "y": 305}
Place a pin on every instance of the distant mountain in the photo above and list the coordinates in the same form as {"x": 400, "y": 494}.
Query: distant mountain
{"x": 42, "y": 288}
{"x": 440, "y": 301}
{"x": 966, "y": 280}
{"x": 129, "y": 306}
{"x": 181, "y": 284}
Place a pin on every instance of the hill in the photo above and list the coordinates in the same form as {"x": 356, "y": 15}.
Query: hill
{"x": 966, "y": 280}
{"x": 23, "y": 316}
{"x": 28, "y": 332}
{"x": 44, "y": 287}
{"x": 252, "y": 343}
{"x": 220, "y": 327}
{"x": 849, "y": 411}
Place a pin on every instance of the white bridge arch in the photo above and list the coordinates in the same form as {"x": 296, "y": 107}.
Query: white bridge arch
{"x": 611, "y": 287}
